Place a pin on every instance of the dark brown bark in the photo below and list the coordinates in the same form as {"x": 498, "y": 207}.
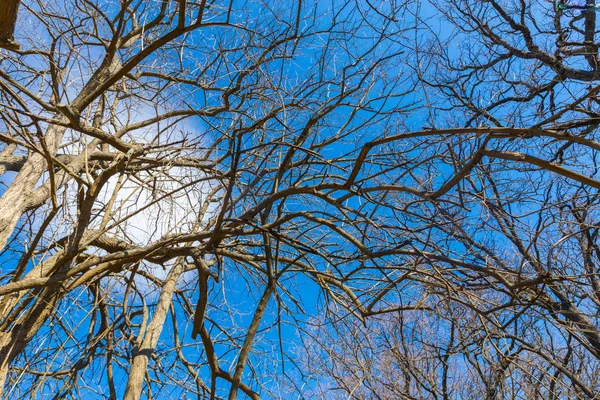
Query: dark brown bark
{"x": 8, "y": 21}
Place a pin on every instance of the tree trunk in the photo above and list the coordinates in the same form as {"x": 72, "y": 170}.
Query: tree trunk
{"x": 139, "y": 364}
{"x": 15, "y": 200}
{"x": 8, "y": 22}
{"x": 14, "y": 341}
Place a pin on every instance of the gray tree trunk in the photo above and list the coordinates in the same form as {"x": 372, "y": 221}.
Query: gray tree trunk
{"x": 139, "y": 364}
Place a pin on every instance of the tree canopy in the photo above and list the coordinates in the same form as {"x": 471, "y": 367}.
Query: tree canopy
{"x": 299, "y": 199}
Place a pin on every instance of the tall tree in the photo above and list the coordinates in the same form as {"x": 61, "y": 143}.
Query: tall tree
{"x": 503, "y": 217}
{"x": 175, "y": 173}
{"x": 188, "y": 187}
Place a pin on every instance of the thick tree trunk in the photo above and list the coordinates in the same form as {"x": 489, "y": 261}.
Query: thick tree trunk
{"x": 14, "y": 201}
{"x": 8, "y": 22}
{"x": 14, "y": 341}
{"x": 139, "y": 364}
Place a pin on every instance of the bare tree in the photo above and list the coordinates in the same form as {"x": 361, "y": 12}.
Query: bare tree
{"x": 501, "y": 210}
{"x": 186, "y": 183}
{"x": 175, "y": 173}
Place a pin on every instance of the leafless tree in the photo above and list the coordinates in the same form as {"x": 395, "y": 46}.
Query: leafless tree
{"x": 186, "y": 183}
{"x": 175, "y": 175}
{"x": 500, "y": 205}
